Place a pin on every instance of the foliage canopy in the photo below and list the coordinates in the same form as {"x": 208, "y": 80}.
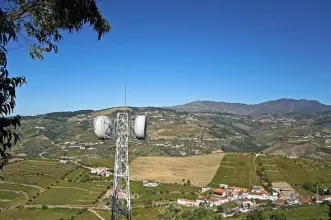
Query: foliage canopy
{"x": 38, "y": 23}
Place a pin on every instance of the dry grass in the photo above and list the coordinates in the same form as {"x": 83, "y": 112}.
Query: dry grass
{"x": 200, "y": 170}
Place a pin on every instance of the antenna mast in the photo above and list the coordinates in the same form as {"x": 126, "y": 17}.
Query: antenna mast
{"x": 125, "y": 86}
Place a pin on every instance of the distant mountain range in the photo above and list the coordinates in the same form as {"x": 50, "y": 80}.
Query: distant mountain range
{"x": 280, "y": 106}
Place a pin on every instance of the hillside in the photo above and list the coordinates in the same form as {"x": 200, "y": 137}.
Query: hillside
{"x": 280, "y": 106}
{"x": 173, "y": 133}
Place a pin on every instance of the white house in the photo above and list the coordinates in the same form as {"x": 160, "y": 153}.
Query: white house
{"x": 258, "y": 189}
{"x": 204, "y": 189}
{"x": 187, "y": 202}
{"x": 223, "y": 186}
{"x": 216, "y": 201}
{"x": 150, "y": 184}
{"x": 101, "y": 170}
{"x": 93, "y": 170}
{"x": 255, "y": 195}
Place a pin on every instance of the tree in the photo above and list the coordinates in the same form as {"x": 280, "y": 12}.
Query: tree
{"x": 38, "y": 23}
{"x": 256, "y": 215}
{"x": 314, "y": 200}
{"x": 278, "y": 216}
{"x": 220, "y": 209}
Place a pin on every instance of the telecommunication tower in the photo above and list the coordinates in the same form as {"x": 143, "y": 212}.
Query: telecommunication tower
{"x": 105, "y": 128}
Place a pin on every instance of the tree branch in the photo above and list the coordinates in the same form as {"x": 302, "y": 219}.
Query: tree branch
{"x": 24, "y": 9}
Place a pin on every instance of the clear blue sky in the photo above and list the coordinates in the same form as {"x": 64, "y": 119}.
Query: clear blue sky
{"x": 177, "y": 51}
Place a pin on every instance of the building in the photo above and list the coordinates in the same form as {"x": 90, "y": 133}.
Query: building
{"x": 255, "y": 195}
{"x": 187, "y": 202}
{"x": 245, "y": 203}
{"x": 205, "y": 189}
{"x": 93, "y": 170}
{"x": 99, "y": 171}
{"x": 216, "y": 201}
{"x": 304, "y": 199}
{"x": 220, "y": 192}
{"x": 150, "y": 184}
{"x": 223, "y": 186}
{"x": 277, "y": 186}
{"x": 228, "y": 214}
{"x": 258, "y": 189}
{"x": 111, "y": 193}
{"x": 237, "y": 189}
{"x": 280, "y": 202}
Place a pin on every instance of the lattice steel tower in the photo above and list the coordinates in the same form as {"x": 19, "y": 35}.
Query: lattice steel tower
{"x": 121, "y": 202}
{"x": 105, "y": 128}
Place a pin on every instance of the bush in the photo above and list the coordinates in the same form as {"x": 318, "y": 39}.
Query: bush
{"x": 44, "y": 207}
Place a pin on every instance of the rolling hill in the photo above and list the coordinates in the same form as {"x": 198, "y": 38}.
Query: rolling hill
{"x": 280, "y": 106}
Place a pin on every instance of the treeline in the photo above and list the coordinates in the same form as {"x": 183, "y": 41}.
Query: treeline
{"x": 312, "y": 187}
{"x": 68, "y": 114}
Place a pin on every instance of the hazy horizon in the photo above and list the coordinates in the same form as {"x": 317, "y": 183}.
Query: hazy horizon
{"x": 141, "y": 106}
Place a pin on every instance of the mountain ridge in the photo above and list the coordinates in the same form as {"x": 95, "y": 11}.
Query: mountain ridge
{"x": 278, "y": 106}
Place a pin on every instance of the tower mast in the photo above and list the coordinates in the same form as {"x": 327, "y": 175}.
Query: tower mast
{"x": 121, "y": 202}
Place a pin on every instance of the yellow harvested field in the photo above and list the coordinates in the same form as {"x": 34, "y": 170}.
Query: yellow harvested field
{"x": 200, "y": 170}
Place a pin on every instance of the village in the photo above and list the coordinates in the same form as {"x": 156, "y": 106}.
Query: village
{"x": 282, "y": 194}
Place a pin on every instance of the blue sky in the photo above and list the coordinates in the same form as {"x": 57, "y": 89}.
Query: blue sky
{"x": 177, "y": 51}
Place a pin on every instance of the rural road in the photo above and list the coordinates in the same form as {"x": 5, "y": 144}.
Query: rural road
{"x": 68, "y": 206}
{"x": 18, "y": 192}
{"x": 99, "y": 216}
{"x": 22, "y": 184}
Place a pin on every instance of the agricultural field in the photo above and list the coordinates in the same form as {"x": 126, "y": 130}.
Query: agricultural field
{"x": 308, "y": 212}
{"x": 38, "y": 214}
{"x": 298, "y": 171}
{"x": 268, "y": 165}
{"x": 151, "y": 213}
{"x": 236, "y": 170}
{"x": 161, "y": 194}
{"x": 47, "y": 182}
{"x": 198, "y": 169}
{"x": 10, "y": 199}
{"x": 294, "y": 171}
{"x": 35, "y": 172}
{"x": 80, "y": 194}
{"x": 98, "y": 162}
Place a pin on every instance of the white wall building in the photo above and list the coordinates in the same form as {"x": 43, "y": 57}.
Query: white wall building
{"x": 150, "y": 184}
{"x": 187, "y": 202}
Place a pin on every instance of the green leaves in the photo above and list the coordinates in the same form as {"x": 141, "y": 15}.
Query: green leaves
{"x": 39, "y": 24}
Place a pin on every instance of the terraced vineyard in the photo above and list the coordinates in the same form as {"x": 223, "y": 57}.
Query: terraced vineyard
{"x": 236, "y": 170}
